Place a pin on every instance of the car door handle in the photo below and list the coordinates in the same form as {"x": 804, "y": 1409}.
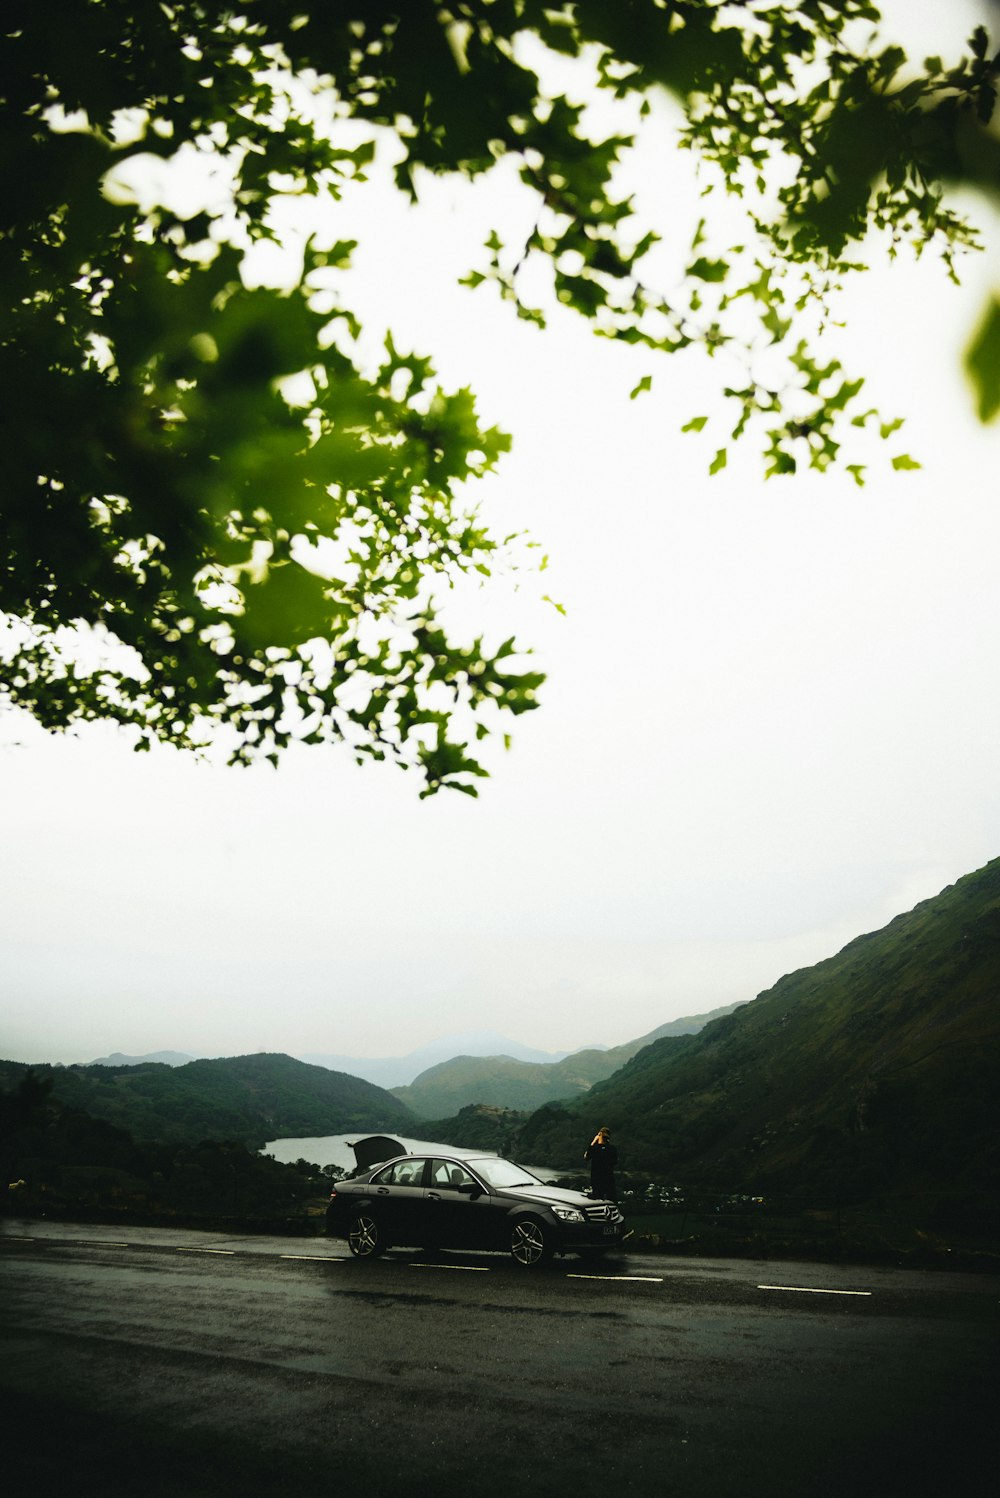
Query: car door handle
{"x": 432, "y": 1196}
{"x": 383, "y": 1191}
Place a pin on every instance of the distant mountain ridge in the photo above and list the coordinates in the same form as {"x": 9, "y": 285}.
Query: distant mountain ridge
{"x": 250, "y": 1099}
{"x": 162, "y": 1058}
{"x": 395, "y": 1073}
{"x": 875, "y": 1070}
{"x": 507, "y": 1082}
{"x": 398, "y": 1071}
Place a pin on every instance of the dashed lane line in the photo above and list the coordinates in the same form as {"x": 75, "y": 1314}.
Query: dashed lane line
{"x": 465, "y": 1268}
{"x": 227, "y": 1253}
{"x": 631, "y": 1279}
{"x": 66, "y": 1242}
{"x": 317, "y": 1258}
{"x": 811, "y": 1290}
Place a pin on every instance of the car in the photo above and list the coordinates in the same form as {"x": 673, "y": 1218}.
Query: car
{"x": 468, "y": 1201}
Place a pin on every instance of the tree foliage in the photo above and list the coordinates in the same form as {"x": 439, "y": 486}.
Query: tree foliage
{"x": 196, "y": 543}
{"x": 56, "y": 1158}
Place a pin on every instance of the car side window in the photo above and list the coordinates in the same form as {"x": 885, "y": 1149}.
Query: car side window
{"x": 448, "y": 1176}
{"x": 403, "y": 1173}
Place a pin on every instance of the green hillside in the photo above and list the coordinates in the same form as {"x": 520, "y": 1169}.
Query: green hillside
{"x": 876, "y": 1071}
{"x": 478, "y": 1126}
{"x": 504, "y": 1082}
{"x": 247, "y": 1098}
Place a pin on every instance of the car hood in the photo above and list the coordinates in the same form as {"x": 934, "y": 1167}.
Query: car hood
{"x": 545, "y": 1193}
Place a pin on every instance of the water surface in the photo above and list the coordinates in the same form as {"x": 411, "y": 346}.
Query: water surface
{"x": 335, "y": 1149}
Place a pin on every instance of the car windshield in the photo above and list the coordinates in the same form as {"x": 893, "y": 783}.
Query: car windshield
{"x": 501, "y": 1173}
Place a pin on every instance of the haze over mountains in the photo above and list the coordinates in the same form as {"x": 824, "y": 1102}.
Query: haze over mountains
{"x": 383, "y": 1071}
{"x": 478, "y": 1066}
{"x": 400, "y": 1071}
{"x": 164, "y": 1058}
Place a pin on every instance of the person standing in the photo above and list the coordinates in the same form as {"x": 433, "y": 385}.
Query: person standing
{"x": 603, "y": 1157}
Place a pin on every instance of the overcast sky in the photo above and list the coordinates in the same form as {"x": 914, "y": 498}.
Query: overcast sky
{"x": 771, "y": 721}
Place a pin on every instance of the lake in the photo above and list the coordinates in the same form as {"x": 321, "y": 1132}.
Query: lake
{"x": 335, "y": 1149}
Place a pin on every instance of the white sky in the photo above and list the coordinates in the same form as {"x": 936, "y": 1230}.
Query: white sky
{"x": 771, "y": 721}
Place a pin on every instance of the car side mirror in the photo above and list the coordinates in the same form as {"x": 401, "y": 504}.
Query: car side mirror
{"x": 470, "y": 1188}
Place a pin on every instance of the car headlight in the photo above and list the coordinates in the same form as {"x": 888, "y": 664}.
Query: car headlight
{"x": 568, "y": 1214}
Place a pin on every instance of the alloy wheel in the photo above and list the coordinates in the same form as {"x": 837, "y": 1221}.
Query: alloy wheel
{"x": 528, "y": 1243}
{"x": 363, "y": 1237}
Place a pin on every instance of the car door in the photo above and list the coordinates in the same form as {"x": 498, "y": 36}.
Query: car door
{"x": 397, "y": 1200}
{"x": 456, "y": 1206}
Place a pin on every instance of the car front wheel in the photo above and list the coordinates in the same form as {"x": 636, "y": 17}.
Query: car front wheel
{"x": 364, "y": 1237}
{"x": 530, "y": 1243}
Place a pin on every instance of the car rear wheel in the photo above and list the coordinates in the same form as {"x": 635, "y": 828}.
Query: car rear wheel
{"x": 364, "y": 1237}
{"x": 530, "y": 1243}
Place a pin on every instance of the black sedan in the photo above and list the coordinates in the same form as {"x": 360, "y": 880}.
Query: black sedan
{"x": 441, "y": 1201}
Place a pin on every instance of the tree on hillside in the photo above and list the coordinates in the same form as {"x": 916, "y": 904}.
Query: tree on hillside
{"x": 195, "y": 543}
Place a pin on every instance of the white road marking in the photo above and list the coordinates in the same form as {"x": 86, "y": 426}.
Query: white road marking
{"x": 632, "y": 1279}
{"x": 99, "y": 1243}
{"x": 317, "y": 1258}
{"x": 810, "y": 1290}
{"x": 14, "y": 1238}
{"x": 229, "y": 1253}
{"x": 466, "y": 1268}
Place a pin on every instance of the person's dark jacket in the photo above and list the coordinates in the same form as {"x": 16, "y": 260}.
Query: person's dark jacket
{"x": 603, "y": 1160}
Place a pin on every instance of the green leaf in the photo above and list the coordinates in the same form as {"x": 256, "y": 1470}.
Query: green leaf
{"x": 646, "y": 383}
{"x": 904, "y": 461}
{"x": 782, "y": 463}
{"x": 709, "y": 270}
{"x": 696, "y": 424}
{"x": 719, "y": 461}
{"x": 777, "y": 326}
{"x": 982, "y": 360}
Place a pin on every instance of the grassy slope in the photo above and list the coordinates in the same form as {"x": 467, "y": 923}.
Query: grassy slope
{"x": 878, "y": 1069}
{"x": 247, "y": 1098}
{"x": 503, "y": 1082}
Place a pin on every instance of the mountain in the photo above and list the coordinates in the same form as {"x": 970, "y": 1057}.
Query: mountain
{"x": 876, "y": 1071}
{"x": 165, "y": 1058}
{"x": 506, "y": 1081}
{"x": 397, "y": 1071}
{"x": 250, "y": 1099}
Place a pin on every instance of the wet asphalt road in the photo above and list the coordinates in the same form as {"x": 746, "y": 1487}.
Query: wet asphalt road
{"x": 159, "y": 1362}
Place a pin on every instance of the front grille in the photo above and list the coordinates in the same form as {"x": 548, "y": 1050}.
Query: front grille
{"x": 602, "y": 1214}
